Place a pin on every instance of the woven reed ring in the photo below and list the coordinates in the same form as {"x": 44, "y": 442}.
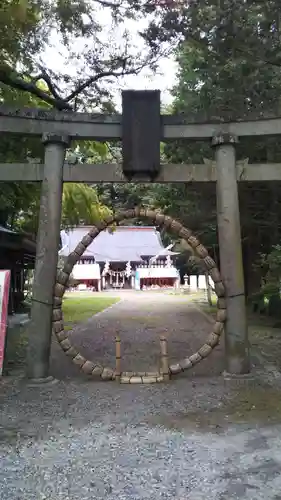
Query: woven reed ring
{"x": 105, "y": 373}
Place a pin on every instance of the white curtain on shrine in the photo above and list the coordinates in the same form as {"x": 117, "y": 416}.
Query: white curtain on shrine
{"x": 157, "y": 272}
{"x": 86, "y": 272}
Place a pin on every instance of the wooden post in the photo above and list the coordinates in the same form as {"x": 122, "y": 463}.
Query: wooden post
{"x": 164, "y": 359}
{"x": 118, "y": 358}
{"x": 48, "y": 239}
{"x": 231, "y": 263}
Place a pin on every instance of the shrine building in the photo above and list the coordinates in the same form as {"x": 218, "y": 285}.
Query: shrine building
{"x": 126, "y": 257}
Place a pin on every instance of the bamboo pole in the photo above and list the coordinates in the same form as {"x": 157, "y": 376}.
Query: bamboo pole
{"x": 164, "y": 359}
{"x": 117, "y": 358}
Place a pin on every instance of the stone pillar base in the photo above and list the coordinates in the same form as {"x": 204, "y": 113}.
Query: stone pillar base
{"x": 236, "y": 381}
{"x": 42, "y": 382}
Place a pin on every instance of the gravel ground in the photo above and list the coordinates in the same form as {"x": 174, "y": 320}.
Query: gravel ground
{"x": 140, "y": 319}
{"x": 94, "y": 440}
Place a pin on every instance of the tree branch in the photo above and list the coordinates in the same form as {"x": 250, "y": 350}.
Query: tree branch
{"x": 258, "y": 57}
{"x": 51, "y": 86}
{"x": 12, "y": 80}
{"x": 16, "y": 82}
{"x": 151, "y": 4}
{"x": 112, "y": 5}
{"x": 94, "y": 79}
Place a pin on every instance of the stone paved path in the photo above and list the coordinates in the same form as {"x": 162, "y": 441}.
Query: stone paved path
{"x": 140, "y": 319}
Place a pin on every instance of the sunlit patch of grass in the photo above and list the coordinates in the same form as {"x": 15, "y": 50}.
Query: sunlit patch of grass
{"x": 79, "y": 309}
{"x": 263, "y": 333}
{"x": 75, "y": 310}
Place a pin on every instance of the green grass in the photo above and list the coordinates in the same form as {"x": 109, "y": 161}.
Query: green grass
{"x": 75, "y": 310}
{"x": 79, "y": 309}
{"x": 264, "y": 333}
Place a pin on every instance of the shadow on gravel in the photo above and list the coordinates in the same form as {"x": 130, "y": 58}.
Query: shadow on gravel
{"x": 259, "y": 406}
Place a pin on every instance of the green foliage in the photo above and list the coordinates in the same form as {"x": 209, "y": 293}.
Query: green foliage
{"x": 271, "y": 268}
{"x": 20, "y": 203}
{"x": 81, "y": 205}
{"x": 229, "y": 66}
{"x": 19, "y": 21}
{"x": 27, "y": 79}
{"x": 29, "y": 27}
{"x": 124, "y": 196}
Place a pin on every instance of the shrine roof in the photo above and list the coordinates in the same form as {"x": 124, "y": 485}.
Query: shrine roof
{"x": 125, "y": 243}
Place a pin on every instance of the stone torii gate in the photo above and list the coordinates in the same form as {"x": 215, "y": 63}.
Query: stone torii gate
{"x": 141, "y": 127}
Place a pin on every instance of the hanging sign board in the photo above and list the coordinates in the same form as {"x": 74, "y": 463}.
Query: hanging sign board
{"x": 4, "y": 299}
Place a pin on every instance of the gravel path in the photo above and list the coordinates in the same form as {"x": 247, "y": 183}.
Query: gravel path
{"x": 140, "y": 319}
{"x": 97, "y": 441}
{"x": 103, "y": 441}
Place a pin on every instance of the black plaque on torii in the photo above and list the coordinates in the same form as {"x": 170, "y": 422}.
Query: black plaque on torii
{"x": 141, "y": 134}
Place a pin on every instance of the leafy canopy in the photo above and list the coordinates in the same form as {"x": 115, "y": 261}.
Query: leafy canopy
{"x": 92, "y": 52}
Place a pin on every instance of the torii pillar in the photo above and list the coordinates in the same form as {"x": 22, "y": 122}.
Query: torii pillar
{"x": 48, "y": 238}
{"x": 231, "y": 262}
